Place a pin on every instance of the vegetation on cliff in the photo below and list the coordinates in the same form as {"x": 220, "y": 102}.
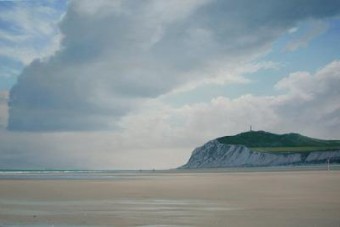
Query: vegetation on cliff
{"x": 270, "y": 142}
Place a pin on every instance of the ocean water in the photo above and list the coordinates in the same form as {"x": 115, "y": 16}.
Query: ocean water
{"x": 138, "y": 174}
{"x": 67, "y": 174}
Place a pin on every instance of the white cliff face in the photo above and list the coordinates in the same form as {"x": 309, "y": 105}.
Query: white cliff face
{"x": 217, "y": 155}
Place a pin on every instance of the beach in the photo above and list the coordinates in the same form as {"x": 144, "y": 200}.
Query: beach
{"x": 280, "y": 198}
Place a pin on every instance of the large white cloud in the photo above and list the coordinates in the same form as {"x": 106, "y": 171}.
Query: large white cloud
{"x": 157, "y": 135}
{"x": 308, "y": 105}
{"x": 117, "y": 55}
{"x": 311, "y": 104}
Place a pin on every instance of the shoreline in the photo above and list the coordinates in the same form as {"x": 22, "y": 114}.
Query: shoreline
{"x": 115, "y": 174}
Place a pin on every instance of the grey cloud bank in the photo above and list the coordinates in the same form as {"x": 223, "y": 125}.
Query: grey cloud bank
{"x": 3, "y": 110}
{"x": 117, "y": 55}
{"x": 97, "y": 150}
{"x": 101, "y": 100}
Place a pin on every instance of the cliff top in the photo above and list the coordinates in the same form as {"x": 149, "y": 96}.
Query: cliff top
{"x": 262, "y": 139}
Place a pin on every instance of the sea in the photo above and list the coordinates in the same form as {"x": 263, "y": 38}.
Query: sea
{"x": 135, "y": 174}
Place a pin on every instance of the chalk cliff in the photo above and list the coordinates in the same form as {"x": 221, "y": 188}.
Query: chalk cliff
{"x": 215, "y": 154}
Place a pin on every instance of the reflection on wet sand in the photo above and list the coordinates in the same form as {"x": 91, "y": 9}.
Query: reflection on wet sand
{"x": 304, "y": 198}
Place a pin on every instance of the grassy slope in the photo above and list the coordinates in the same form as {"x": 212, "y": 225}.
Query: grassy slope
{"x": 269, "y": 142}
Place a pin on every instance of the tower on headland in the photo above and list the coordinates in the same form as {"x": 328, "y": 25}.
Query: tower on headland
{"x": 251, "y": 128}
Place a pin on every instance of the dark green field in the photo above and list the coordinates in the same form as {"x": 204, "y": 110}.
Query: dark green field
{"x": 262, "y": 141}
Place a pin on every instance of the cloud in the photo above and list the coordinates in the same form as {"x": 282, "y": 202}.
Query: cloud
{"x": 29, "y": 30}
{"x": 115, "y": 56}
{"x": 82, "y": 150}
{"x": 192, "y": 125}
{"x": 311, "y": 102}
{"x": 157, "y": 135}
{"x": 308, "y": 105}
{"x": 3, "y": 110}
{"x": 315, "y": 29}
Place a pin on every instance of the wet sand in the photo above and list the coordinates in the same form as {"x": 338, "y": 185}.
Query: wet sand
{"x": 303, "y": 198}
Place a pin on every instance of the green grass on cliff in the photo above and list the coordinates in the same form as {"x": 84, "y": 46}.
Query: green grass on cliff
{"x": 269, "y": 142}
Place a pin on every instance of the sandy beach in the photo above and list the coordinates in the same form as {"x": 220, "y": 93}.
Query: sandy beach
{"x": 302, "y": 198}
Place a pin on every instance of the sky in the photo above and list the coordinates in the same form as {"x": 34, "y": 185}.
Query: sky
{"x": 130, "y": 84}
